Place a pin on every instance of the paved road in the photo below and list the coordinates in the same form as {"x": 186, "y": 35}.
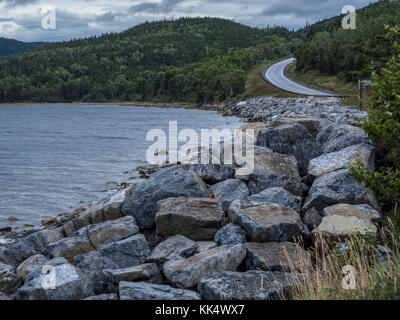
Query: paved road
{"x": 275, "y": 75}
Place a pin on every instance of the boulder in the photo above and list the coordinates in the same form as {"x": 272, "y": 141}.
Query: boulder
{"x": 108, "y": 280}
{"x": 76, "y": 244}
{"x": 205, "y": 245}
{"x": 28, "y": 267}
{"x": 176, "y": 246}
{"x": 250, "y": 285}
{"x": 339, "y": 227}
{"x": 103, "y": 297}
{"x": 144, "y": 272}
{"x": 337, "y": 187}
{"x": 69, "y": 284}
{"x": 292, "y": 139}
{"x": 167, "y": 183}
{"x": 186, "y": 273}
{"x": 195, "y": 218}
{"x": 335, "y": 137}
{"x": 93, "y": 237}
{"x": 312, "y": 218}
{"x": 274, "y": 256}
{"x": 229, "y": 190}
{"x": 9, "y": 281}
{"x": 342, "y": 159}
{"x": 213, "y": 173}
{"x": 35, "y": 243}
{"x": 111, "y": 231}
{"x": 231, "y": 234}
{"x": 4, "y": 297}
{"x": 274, "y": 170}
{"x": 269, "y": 223}
{"x": 149, "y": 291}
{"x": 362, "y": 211}
{"x": 313, "y": 125}
{"x": 106, "y": 210}
{"x": 276, "y": 195}
{"x": 126, "y": 253}
{"x": 33, "y": 267}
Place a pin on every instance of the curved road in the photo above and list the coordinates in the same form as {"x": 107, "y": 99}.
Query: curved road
{"x": 275, "y": 75}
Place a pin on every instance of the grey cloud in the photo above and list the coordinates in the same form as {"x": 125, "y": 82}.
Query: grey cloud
{"x": 165, "y": 6}
{"x": 16, "y": 3}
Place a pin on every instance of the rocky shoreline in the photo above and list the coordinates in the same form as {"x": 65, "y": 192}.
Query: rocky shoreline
{"x": 191, "y": 232}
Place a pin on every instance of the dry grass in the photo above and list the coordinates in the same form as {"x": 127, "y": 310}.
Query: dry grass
{"x": 256, "y": 86}
{"x": 335, "y": 83}
{"x": 374, "y": 279}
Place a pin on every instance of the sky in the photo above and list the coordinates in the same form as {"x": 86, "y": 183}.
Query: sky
{"x": 22, "y": 19}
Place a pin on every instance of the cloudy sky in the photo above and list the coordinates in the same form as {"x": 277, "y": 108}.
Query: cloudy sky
{"x": 22, "y": 19}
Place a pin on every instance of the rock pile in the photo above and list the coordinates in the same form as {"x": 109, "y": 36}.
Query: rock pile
{"x": 205, "y": 232}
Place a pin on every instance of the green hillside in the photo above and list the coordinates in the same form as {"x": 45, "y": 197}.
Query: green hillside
{"x": 10, "y": 47}
{"x": 331, "y": 50}
{"x": 190, "y": 59}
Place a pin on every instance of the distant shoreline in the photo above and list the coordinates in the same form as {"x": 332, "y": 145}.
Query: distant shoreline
{"x": 129, "y": 104}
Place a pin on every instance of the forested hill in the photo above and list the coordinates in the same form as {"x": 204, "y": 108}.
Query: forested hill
{"x": 11, "y": 47}
{"x": 190, "y": 59}
{"x": 332, "y": 50}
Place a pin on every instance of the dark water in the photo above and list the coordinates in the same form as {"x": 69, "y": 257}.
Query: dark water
{"x": 57, "y": 158}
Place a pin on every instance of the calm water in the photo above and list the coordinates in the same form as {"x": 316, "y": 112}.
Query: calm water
{"x": 57, "y": 158}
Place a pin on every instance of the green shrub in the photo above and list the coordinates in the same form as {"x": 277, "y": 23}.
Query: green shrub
{"x": 383, "y": 128}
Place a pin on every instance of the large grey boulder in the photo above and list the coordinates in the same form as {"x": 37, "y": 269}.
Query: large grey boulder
{"x": 125, "y": 253}
{"x": 292, "y": 139}
{"x": 362, "y": 211}
{"x": 176, "y": 246}
{"x": 145, "y": 272}
{"x": 108, "y": 280}
{"x": 313, "y": 125}
{"x": 213, "y": 173}
{"x": 276, "y": 195}
{"x": 107, "y": 209}
{"x": 269, "y": 223}
{"x": 340, "y": 227}
{"x": 274, "y": 170}
{"x": 93, "y": 237}
{"x": 148, "y": 291}
{"x": 274, "y": 256}
{"x": 195, "y": 218}
{"x": 229, "y": 235}
{"x": 166, "y": 183}
{"x": 186, "y": 273}
{"x": 69, "y": 284}
{"x": 337, "y": 187}
{"x": 229, "y": 190}
{"x": 250, "y": 285}
{"x": 341, "y": 220}
{"x": 28, "y": 269}
{"x": 9, "y": 281}
{"x": 336, "y": 137}
{"x": 342, "y": 159}
{"x": 103, "y": 297}
{"x": 35, "y": 243}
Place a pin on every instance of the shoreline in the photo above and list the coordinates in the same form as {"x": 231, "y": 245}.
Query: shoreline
{"x": 128, "y": 103}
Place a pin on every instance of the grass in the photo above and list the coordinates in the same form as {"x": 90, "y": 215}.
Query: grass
{"x": 373, "y": 278}
{"x": 335, "y": 83}
{"x": 256, "y": 85}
